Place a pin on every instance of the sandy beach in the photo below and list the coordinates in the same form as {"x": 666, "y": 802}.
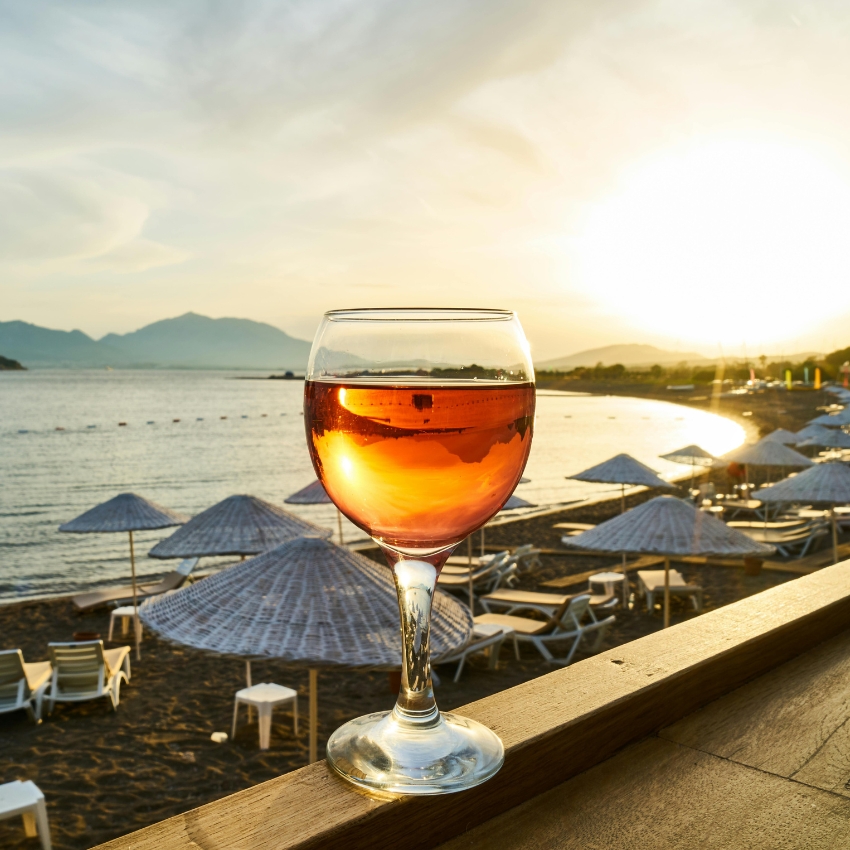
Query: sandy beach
{"x": 108, "y": 773}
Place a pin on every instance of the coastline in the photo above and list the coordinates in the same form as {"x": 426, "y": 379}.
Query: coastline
{"x": 107, "y": 773}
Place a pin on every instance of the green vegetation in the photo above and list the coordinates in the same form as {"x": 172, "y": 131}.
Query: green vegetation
{"x": 6, "y": 363}
{"x": 684, "y": 373}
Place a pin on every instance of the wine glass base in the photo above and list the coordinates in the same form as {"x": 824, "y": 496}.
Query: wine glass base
{"x": 380, "y": 753}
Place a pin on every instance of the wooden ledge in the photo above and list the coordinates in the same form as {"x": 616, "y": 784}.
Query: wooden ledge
{"x": 553, "y": 727}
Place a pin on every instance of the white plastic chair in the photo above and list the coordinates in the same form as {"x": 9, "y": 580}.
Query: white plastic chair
{"x": 84, "y": 671}
{"x": 24, "y": 798}
{"x": 22, "y": 685}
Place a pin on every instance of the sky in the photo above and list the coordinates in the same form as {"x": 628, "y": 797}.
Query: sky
{"x": 655, "y": 171}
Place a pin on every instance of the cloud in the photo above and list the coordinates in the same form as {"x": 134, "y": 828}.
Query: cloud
{"x": 46, "y": 215}
{"x": 137, "y": 255}
{"x": 315, "y": 152}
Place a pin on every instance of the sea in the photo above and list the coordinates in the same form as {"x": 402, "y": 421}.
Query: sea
{"x": 187, "y": 439}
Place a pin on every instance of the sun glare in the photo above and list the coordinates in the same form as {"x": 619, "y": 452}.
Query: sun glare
{"x": 727, "y": 242}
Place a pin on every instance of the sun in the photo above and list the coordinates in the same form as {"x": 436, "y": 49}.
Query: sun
{"x": 729, "y": 241}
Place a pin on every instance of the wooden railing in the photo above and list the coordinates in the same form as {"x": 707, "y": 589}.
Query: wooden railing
{"x": 553, "y": 728}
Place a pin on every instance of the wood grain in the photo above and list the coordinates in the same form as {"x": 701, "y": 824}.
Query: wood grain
{"x": 553, "y": 728}
{"x": 659, "y": 795}
{"x": 792, "y": 721}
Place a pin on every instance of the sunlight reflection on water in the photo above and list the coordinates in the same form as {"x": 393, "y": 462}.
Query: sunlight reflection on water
{"x": 224, "y": 444}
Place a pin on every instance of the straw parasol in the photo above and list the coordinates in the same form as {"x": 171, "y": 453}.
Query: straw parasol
{"x": 782, "y": 435}
{"x": 668, "y": 526}
{"x": 239, "y": 525}
{"x": 126, "y": 512}
{"x": 766, "y": 453}
{"x": 833, "y": 420}
{"x": 307, "y": 602}
{"x": 823, "y": 484}
{"x": 315, "y": 494}
{"x": 623, "y": 469}
{"x": 812, "y": 431}
{"x": 829, "y": 439}
{"x": 693, "y": 455}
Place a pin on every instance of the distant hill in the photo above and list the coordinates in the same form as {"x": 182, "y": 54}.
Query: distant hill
{"x": 10, "y": 365}
{"x": 189, "y": 341}
{"x": 41, "y": 347}
{"x": 628, "y": 355}
{"x": 193, "y": 341}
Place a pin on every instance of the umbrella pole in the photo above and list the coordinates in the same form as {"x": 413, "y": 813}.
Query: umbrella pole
{"x": 666, "y": 593}
{"x": 625, "y": 576}
{"x": 136, "y": 625}
{"x": 248, "y": 684}
{"x": 469, "y": 554}
{"x": 834, "y": 536}
{"x": 482, "y": 541}
{"x": 339, "y": 525}
{"x": 314, "y": 715}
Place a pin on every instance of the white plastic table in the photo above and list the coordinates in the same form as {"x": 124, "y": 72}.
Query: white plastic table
{"x": 126, "y": 613}
{"x": 609, "y": 579}
{"x": 264, "y": 697}
{"x": 24, "y": 798}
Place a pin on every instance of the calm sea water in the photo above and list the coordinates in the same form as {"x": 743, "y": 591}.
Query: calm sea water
{"x": 49, "y": 476}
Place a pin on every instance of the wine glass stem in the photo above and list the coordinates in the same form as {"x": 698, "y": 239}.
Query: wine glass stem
{"x": 415, "y": 583}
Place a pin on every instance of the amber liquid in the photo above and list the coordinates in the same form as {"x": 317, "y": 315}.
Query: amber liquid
{"x": 419, "y": 466}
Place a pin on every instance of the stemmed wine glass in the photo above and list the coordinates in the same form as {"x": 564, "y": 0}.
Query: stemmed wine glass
{"x": 419, "y": 424}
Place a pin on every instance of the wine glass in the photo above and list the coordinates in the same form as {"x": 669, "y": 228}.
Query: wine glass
{"x": 419, "y": 424}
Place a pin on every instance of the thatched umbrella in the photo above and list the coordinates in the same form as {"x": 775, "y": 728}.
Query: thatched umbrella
{"x": 315, "y": 494}
{"x": 668, "y": 526}
{"x": 239, "y": 525}
{"x": 833, "y": 420}
{"x": 623, "y": 469}
{"x": 126, "y": 512}
{"x": 782, "y": 435}
{"x": 307, "y": 602}
{"x": 693, "y": 455}
{"x": 824, "y": 484}
{"x": 812, "y": 431}
{"x": 766, "y": 453}
{"x": 829, "y": 439}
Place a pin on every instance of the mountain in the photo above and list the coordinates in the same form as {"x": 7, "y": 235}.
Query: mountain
{"x": 628, "y": 355}
{"x": 190, "y": 341}
{"x": 37, "y": 346}
{"x": 9, "y": 365}
{"x": 193, "y": 341}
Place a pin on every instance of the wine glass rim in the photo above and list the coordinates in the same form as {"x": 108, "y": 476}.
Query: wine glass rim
{"x": 419, "y": 314}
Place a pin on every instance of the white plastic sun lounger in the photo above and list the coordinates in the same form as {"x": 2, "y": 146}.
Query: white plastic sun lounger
{"x": 84, "y": 671}
{"x": 651, "y": 582}
{"x": 22, "y": 685}
{"x": 100, "y": 598}
{"x": 563, "y": 626}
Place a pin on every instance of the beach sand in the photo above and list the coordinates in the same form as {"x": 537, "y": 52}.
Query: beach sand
{"x": 107, "y": 773}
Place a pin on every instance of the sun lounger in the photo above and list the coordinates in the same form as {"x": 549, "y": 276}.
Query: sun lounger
{"x": 488, "y": 576}
{"x": 563, "y": 626}
{"x": 100, "y": 598}
{"x": 651, "y": 582}
{"x": 788, "y": 541}
{"x": 509, "y": 601}
{"x": 527, "y": 558}
{"x": 485, "y": 637}
{"x": 84, "y": 671}
{"x": 22, "y": 685}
